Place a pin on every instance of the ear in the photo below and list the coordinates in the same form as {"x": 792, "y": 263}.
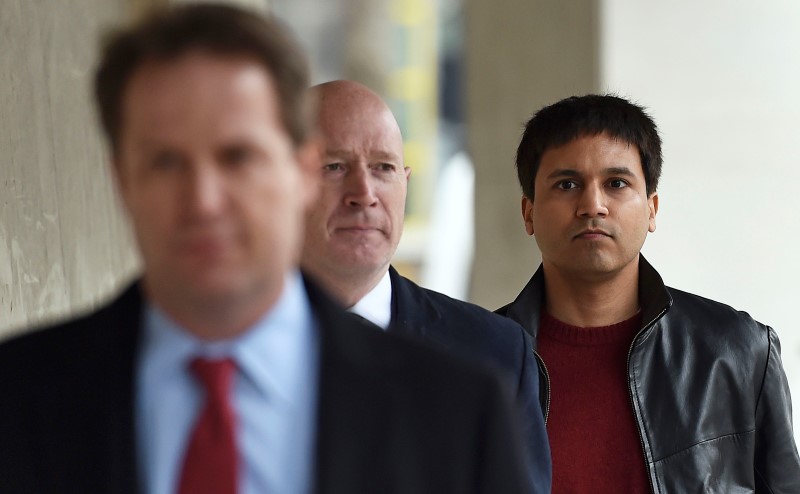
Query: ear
{"x": 652, "y": 204}
{"x": 527, "y": 214}
{"x": 309, "y": 159}
{"x": 407, "y": 171}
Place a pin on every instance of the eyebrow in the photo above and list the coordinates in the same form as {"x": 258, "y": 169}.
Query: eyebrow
{"x": 568, "y": 172}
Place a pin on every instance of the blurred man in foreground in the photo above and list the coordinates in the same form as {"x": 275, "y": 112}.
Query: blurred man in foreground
{"x": 352, "y": 232}
{"x": 223, "y": 370}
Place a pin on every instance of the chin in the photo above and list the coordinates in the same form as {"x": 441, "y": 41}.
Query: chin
{"x": 217, "y": 289}
{"x": 221, "y": 279}
{"x": 607, "y": 267}
{"x": 588, "y": 265}
{"x": 359, "y": 264}
{"x": 357, "y": 255}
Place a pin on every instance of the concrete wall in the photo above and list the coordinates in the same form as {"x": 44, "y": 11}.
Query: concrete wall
{"x": 721, "y": 79}
{"x": 63, "y": 245}
{"x": 521, "y": 55}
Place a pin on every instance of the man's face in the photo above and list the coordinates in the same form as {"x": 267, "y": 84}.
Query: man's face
{"x": 590, "y": 212}
{"x": 356, "y": 223}
{"x": 211, "y": 180}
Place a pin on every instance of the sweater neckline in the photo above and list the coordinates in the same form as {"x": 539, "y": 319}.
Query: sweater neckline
{"x": 590, "y": 336}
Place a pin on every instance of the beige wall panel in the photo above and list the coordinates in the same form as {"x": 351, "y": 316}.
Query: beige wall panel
{"x": 63, "y": 244}
{"x": 520, "y": 55}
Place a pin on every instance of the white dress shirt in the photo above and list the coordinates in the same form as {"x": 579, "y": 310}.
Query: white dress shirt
{"x": 376, "y": 305}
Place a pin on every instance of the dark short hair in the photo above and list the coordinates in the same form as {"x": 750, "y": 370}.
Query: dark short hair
{"x": 561, "y": 123}
{"x": 167, "y": 34}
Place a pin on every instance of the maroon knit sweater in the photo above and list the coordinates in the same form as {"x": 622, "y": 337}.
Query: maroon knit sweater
{"x": 593, "y": 436}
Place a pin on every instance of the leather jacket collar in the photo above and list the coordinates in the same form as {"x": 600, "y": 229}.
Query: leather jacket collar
{"x": 526, "y": 309}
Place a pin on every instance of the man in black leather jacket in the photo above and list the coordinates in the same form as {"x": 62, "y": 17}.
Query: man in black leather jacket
{"x": 649, "y": 389}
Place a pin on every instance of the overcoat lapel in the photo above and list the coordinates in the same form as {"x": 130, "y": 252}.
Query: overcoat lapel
{"x": 412, "y": 312}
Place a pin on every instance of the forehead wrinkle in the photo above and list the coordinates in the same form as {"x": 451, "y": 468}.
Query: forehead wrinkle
{"x": 355, "y": 139}
{"x": 351, "y": 154}
{"x": 353, "y": 117}
{"x": 210, "y": 85}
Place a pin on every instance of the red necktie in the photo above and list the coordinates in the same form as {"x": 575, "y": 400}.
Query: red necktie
{"x": 210, "y": 464}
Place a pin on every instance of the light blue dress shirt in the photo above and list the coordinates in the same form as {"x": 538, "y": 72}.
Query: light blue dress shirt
{"x": 275, "y": 393}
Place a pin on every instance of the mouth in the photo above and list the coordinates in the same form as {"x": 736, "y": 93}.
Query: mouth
{"x": 592, "y": 234}
{"x": 358, "y": 229}
{"x": 208, "y": 239}
{"x": 207, "y": 249}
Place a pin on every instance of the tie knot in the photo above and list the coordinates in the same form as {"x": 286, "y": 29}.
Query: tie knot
{"x": 215, "y": 375}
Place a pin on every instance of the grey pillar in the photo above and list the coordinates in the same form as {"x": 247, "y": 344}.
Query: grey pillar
{"x": 520, "y": 56}
{"x": 63, "y": 243}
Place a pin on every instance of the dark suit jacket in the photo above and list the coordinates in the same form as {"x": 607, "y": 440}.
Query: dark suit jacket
{"x": 470, "y": 331}
{"x": 394, "y": 416}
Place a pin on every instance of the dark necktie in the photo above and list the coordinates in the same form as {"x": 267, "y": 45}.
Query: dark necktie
{"x": 211, "y": 461}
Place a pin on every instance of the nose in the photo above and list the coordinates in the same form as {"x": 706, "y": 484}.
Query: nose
{"x": 592, "y": 202}
{"x": 360, "y": 189}
{"x": 206, "y": 191}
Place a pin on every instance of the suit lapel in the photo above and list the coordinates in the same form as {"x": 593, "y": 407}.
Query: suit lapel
{"x": 412, "y": 312}
{"x": 346, "y": 402}
{"x": 122, "y": 440}
{"x": 327, "y": 403}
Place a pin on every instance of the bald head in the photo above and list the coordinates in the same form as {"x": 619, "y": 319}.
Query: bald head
{"x": 347, "y": 92}
{"x": 353, "y": 230}
{"x": 355, "y": 106}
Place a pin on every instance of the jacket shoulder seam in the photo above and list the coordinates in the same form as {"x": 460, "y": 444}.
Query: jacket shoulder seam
{"x": 766, "y": 368}
{"x": 704, "y": 441}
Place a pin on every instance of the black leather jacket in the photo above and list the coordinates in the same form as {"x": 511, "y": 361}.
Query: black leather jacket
{"x": 707, "y": 388}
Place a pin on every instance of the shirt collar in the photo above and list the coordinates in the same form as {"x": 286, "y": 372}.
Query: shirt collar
{"x": 265, "y": 353}
{"x": 376, "y": 306}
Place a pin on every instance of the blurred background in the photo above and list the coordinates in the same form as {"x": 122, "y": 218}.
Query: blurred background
{"x": 462, "y": 76}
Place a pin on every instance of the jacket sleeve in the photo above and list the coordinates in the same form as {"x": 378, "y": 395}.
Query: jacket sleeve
{"x": 776, "y": 462}
{"x": 537, "y": 448}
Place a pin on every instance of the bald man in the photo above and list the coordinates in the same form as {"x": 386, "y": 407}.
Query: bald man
{"x": 352, "y": 232}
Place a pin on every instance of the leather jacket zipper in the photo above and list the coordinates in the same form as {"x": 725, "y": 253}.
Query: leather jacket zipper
{"x": 630, "y": 396}
{"x": 540, "y": 361}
